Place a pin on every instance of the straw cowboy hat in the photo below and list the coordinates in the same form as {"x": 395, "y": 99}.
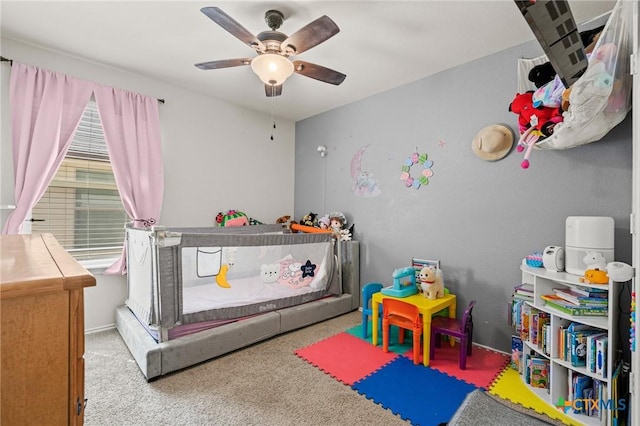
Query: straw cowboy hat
{"x": 493, "y": 142}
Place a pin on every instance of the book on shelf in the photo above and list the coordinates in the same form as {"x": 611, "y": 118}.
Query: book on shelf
{"x": 589, "y": 291}
{"x": 590, "y": 363}
{"x": 580, "y": 384}
{"x": 525, "y": 289}
{"x": 579, "y": 348}
{"x": 533, "y": 327}
{"x": 601, "y": 356}
{"x": 578, "y": 299}
{"x": 562, "y": 305}
{"x": 538, "y": 320}
{"x": 522, "y": 297}
{"x": 516, "y": 353}
{"x": 539, "y": 371}
{"x": 524, "y": 322}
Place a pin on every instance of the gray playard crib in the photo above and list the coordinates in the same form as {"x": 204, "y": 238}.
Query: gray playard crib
{"x": 197, "y": 293}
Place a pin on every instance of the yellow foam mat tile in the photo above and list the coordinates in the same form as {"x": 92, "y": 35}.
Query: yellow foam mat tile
{"x": 509, "y": 386}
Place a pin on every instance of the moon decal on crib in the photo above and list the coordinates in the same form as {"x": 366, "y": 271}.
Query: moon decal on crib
{"x": 221, "y": 278}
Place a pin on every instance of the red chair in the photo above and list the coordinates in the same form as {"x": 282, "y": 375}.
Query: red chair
{"x": 460, "y": 328}
{"x": 406, "y": 317}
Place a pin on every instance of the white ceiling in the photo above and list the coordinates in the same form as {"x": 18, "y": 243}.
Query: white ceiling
{"x": 381, "y": 44}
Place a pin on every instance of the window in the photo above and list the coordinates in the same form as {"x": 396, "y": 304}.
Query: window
{"x": 82, "y": 206}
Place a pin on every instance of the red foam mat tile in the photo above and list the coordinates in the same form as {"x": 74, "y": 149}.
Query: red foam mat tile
{"x": 483, "y": 366}
{"x": 345, "y": 357}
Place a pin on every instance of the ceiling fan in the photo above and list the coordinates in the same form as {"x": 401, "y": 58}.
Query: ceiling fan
{"x": 273, "y": 64}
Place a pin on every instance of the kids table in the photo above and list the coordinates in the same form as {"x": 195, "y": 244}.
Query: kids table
{"x": 426, "y": 307}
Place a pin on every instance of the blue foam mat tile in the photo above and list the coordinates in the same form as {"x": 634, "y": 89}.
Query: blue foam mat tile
{"x": 423, "y": 396}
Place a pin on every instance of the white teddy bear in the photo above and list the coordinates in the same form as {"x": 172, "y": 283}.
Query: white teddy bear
{"x": 431, "y": 282}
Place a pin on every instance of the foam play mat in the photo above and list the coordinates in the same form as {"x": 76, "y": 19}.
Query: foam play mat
{"x": 509, "y": 386}
{"x": 394, "y": 346}
{"x": 483, "y": 366}
{"x": 414, "y": 392}
{"x": 345, "y": 357}
{"x": 395, "y": 383}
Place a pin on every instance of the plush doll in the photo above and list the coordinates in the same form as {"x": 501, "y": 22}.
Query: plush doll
{"x": 337, "y": 223}
{"x": 324, "y": 222}
{"x": 526, "y": 143}
{"x": 542, "y": 74}
{"x": 594, "y": 276}
{"x": 542, "y": 118}
{"x": 549, "y": 95}
{"x": 431, "y": 282}
{"x": 232, "y": 218}
{"x": 310, "y": 219}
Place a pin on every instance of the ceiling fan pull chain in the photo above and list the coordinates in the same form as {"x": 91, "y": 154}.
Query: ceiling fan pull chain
{"x": 273, "y": 108}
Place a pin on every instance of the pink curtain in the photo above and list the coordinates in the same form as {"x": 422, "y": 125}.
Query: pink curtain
{"x": 131, "y": 126}
{"x": 46, "y": 108}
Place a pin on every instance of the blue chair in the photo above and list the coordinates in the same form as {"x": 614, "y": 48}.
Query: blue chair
{"x": 367, "y": 291}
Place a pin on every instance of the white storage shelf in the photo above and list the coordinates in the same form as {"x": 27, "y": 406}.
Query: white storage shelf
{"x": 544, "y": 282}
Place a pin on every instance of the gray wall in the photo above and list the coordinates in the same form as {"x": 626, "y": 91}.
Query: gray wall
{"x": 479, "y": 218}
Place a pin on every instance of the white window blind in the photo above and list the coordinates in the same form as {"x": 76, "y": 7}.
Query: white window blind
{"x": 82, "y": 206}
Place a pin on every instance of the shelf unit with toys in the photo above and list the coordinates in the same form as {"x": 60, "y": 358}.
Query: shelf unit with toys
{"x": 559, "y": 364}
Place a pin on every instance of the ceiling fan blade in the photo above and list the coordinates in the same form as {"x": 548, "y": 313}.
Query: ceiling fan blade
{"x": 311, "y": 35}
{"x": 228, "y": 23}
{"x": 318, "y": 72}
{"x": 224, "y": 63}
{"x": 270, "y": 90}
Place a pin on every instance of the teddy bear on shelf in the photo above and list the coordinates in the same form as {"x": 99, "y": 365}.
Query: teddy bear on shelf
{"x": 431, "y": 282}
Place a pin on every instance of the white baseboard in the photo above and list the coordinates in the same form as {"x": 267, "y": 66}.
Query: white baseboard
{"x": 98, "y": 329}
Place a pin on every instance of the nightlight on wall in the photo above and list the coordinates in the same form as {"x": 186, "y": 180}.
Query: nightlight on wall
{"x": 322, "y": 150}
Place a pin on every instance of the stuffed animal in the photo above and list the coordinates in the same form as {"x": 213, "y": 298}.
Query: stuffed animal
{"x": 324, "y": 222}
{"x": 337, "y": 223}
{"x": 542, "y": 74}
{"x": 542, "y": 118}
{"x": 526, "y": 143}
{"x": 286, "y": 222}
{"x": 431, "y": 282}
{"x": 594, "y": 260}
{"x": 232, "y": 218}
{"x": 549, "y": 95}
{"x": 310, "y": 219}
{"x": 594, "y": 276}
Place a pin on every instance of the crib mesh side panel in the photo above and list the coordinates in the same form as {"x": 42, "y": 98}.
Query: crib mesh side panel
{"x": 140, "y": 272}
{"x": 251, "y": 274}
{"x": 168, "y": 295}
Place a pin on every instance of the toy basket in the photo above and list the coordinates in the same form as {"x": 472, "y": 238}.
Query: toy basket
{"x": 534, "y": 260}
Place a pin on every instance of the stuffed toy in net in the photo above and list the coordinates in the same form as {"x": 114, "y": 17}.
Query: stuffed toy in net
{"x": 601, "y": 98}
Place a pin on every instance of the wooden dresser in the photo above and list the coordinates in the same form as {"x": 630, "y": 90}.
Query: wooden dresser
{"x": 42, "y": 328}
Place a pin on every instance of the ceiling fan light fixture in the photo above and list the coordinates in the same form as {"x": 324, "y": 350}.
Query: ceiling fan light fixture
{"x": 271, "y": 68}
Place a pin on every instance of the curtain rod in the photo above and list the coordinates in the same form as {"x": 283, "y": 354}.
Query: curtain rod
{"x": 3, "y": 59}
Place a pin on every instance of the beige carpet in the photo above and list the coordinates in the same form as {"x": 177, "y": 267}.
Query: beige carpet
{"x": 264, "y": 384}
